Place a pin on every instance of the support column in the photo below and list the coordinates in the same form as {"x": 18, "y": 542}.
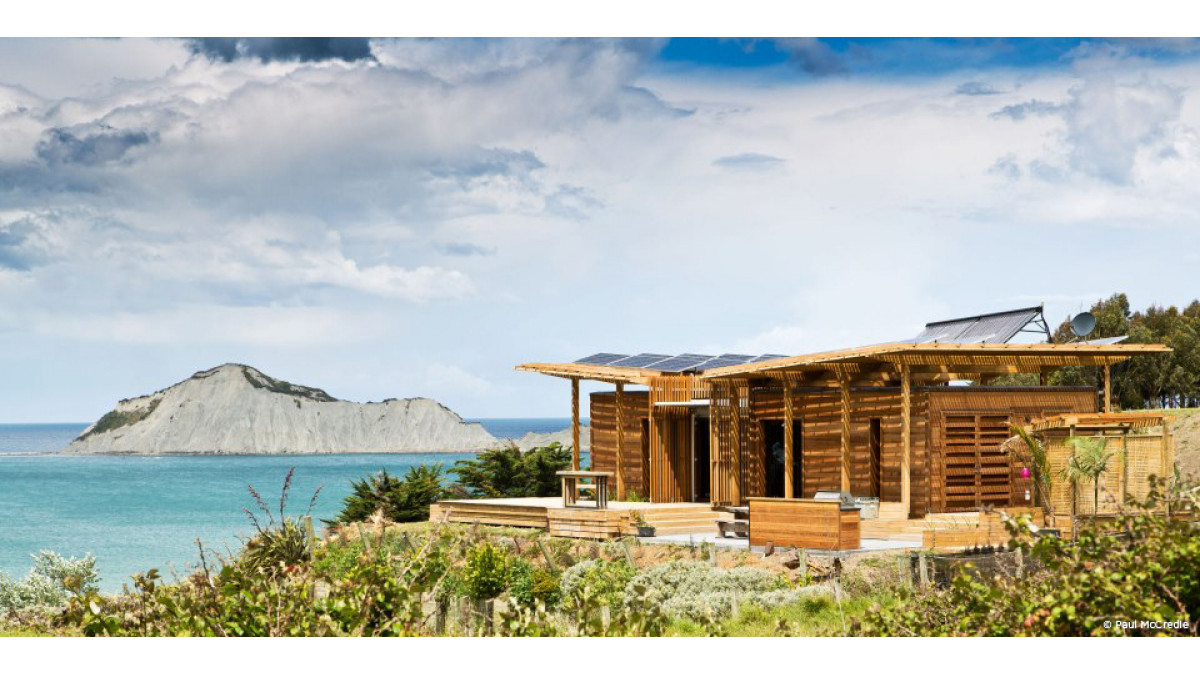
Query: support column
{"x": 844, "y": 383}
{"x": 574, "y": 423}
{"x": 906, "y": 438}
{"x": 788, "y": 442}
{"x": 620, "y": 440}
{"x": 1107, "y": 387}
{"x": 735, "y": 438}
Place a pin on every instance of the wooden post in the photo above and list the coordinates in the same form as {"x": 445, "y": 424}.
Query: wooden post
{"x": 574, "y": 423}
{"x": 735, "y": 437}
{"x": 1107, "y": 387}
{"x": 620, "y": 441}
{"x": 1124, "y": 466}
{"x": 906, "y": 438}
{"x": 844, "y": 382}
{"x": 788, "y": 443}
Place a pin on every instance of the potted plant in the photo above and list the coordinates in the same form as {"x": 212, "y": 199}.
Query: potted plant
{"x": 644, "y": 529}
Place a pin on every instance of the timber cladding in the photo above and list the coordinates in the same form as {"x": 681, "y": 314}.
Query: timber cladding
{"x": 969, "y": 469}
{"x": 803, "y": 523}
{"x": 604, "y": 437}
{"x": 818, "y": 415}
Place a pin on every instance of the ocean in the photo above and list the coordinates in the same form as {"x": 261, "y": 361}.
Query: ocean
{"x": 134, "y": 513}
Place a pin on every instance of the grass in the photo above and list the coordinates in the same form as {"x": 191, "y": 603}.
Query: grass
{"x": 810, "y": 617}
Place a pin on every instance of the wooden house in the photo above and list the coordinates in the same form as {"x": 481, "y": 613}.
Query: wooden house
{"x": 882, "y": 421}
{"x": 892, "y": 422}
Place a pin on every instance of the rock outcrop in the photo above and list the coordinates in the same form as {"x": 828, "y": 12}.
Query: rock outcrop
{"x": 533, "y": 440}
{"x": 236, "y": 409}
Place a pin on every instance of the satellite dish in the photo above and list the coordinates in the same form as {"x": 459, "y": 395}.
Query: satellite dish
{"x": 1083, "y": 324}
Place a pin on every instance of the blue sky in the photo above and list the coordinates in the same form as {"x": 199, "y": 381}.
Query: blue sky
{"x": 387, "y": 218}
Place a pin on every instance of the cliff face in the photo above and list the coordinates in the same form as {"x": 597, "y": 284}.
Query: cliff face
{"x": 235, "y": 409}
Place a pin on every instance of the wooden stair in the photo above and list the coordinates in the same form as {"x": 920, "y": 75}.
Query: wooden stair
{"x": 685, "y": 519}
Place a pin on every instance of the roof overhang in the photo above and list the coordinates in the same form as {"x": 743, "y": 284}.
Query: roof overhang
{"x": 582, "y": 371}
{"x": 880, "y": 364}
{"x": 946, "y": 358}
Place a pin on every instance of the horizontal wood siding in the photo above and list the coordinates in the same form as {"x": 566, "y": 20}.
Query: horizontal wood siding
{"x": 604, "y": 437}
{"x": 803, "y": 524}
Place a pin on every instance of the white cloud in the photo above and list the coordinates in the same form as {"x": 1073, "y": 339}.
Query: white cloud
{"x": 326, "y": 208}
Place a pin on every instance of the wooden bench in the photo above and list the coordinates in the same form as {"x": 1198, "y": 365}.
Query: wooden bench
{"x": 575, "y": 482}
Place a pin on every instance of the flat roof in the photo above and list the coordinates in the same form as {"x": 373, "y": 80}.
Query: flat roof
{"x": 1023, "y": 357}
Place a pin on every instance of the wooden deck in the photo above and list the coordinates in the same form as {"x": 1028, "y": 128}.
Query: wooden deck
{"x": 937, "y": 531}
{"x": 946, "y": 531}
{"x": 548, "y": 513}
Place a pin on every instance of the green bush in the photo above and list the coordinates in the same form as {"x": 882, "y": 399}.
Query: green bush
{"x": 401, "y": 500}
{"x": 508, "y": 472}
{"x": 45, "y": 588}
{"x": 1144, "y": 566}
{"x": 486, "y": 572}
{"x": 700, "y": 592}
{"x": 280, "y": 542}
{"x": 604, "y": 580}
{"x": 532, "y": 584}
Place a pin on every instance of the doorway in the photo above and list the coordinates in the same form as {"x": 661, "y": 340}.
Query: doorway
{"x": 772, "y": 434}
{"x": 701, "y": 468}
{"x": 876, "y": 458}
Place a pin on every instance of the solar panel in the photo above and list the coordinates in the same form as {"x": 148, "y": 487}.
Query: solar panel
{"x": 768, "y": 357}
{"x": 602, "y": 359}
{"x": 725, "y": 360}
{"x": 683, "y": 362}
{"x": 639, "y": 361}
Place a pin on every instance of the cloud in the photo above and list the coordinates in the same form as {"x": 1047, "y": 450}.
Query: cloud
{"x": 976, "y": 88}
{"x": 463, "y": 249}
{"x": 751, "y": 161}
{"x": 1007, "y": 167}
{"x": 813, "y": 56}
{"x": 1109, "y": 124}
{"x": 265, "y": 49}
{"x": 1032, "y": 108}
{"x": 61, "y": 146}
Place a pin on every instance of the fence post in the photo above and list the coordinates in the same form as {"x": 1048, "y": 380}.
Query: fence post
{"x": 546, "y": 554}
{"x": 628, "y": 553}
{"x": 904, "y": 567}
{"x": 922, "y": 570}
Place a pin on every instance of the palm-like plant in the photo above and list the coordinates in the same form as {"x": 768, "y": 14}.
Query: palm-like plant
{"x": 1031, "y": 452}
{"x": 1088, "y": 461}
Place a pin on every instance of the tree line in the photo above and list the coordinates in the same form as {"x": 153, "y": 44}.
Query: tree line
{"x": 1147, "y": 380}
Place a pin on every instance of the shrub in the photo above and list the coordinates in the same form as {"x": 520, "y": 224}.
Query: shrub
{"x": 400, "y": 500}
{"x": 532, "y": 584}
{"x": 700, "y": 592}
{"x": 45, "y": 588}
{"x": 508, "y": 472}
{"x": 279, "y": 543}
{"x": 604, "y": 580}
{"x": 1145, "y": 566}
{"x": 486, "y": 572}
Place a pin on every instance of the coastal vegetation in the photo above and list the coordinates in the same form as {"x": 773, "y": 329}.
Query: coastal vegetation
{"x": 379, "y": 577}
{"x": 499, "y": 472}
{"x": 115, "y": 419}
{"x": 509, "y": 472}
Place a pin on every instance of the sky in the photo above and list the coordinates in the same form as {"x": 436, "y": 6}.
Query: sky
{"x": 389, "y": 218}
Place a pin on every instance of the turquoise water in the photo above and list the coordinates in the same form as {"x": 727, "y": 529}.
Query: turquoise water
{"x": 134, "y": 513}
